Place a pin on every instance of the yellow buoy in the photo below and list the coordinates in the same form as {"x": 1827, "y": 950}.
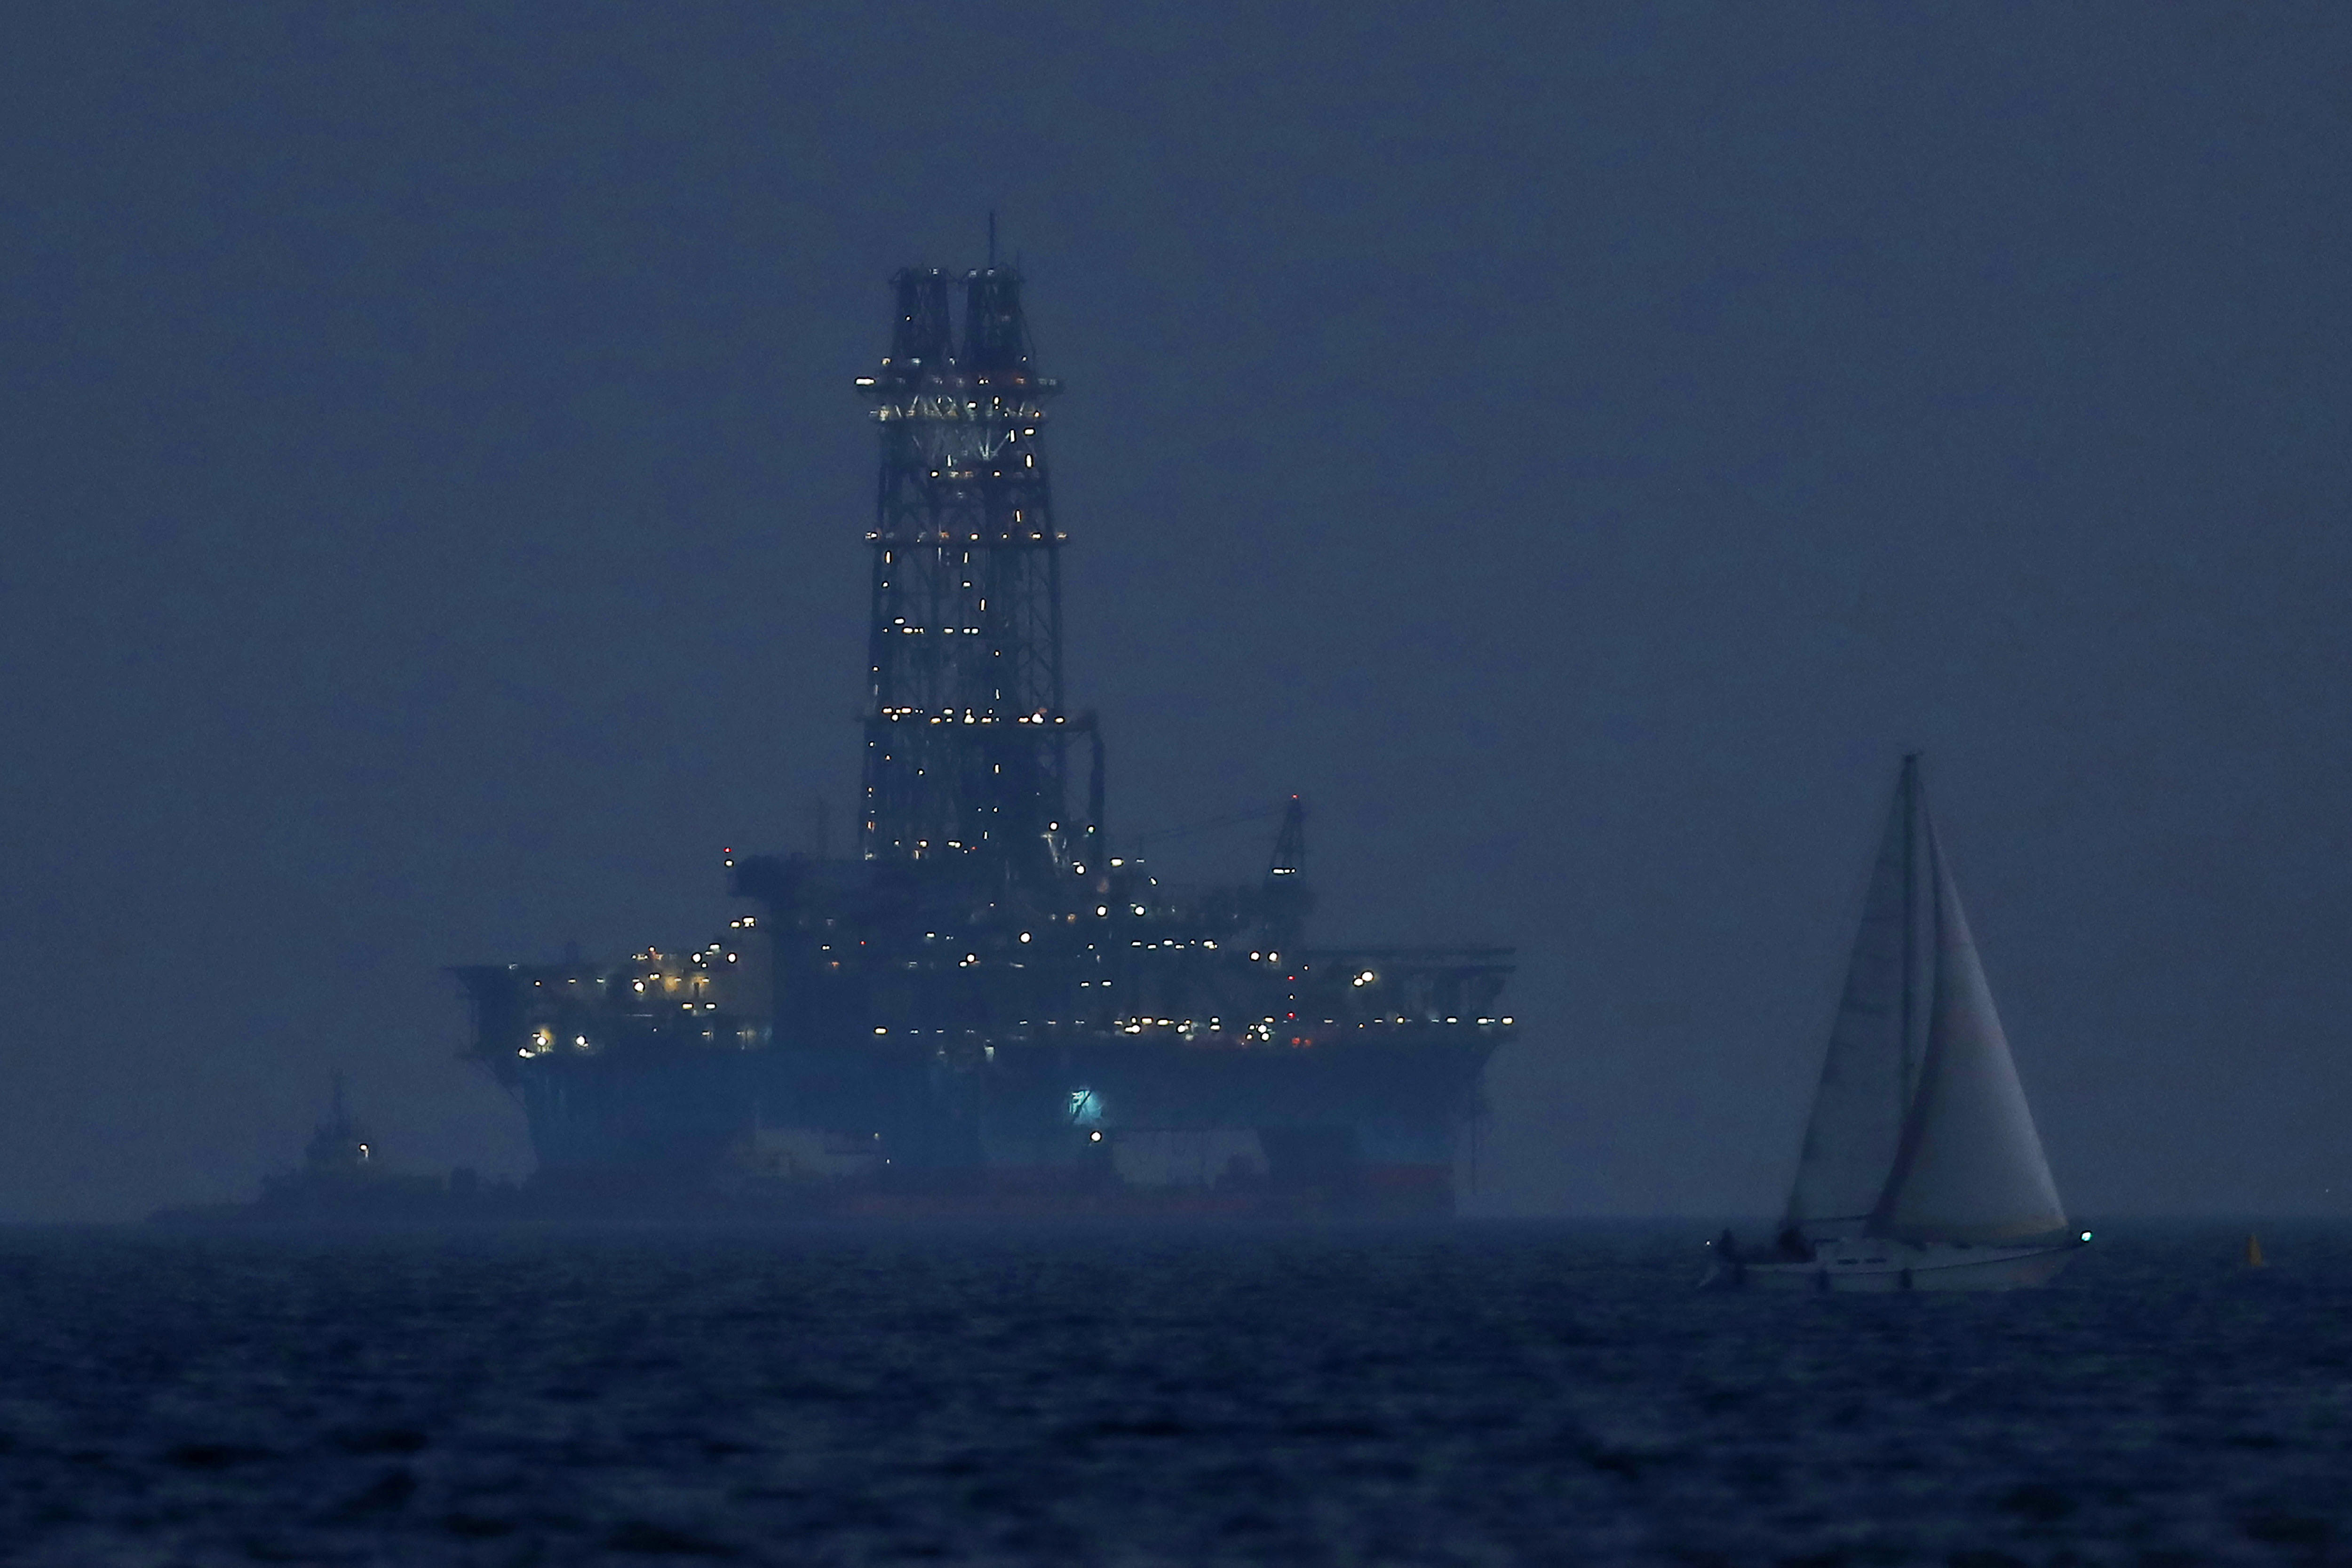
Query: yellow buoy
{"x": 2253, "y": 1250}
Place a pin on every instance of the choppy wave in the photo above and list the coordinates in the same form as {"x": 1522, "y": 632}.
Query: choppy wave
{"x": 1485, "y": 1394}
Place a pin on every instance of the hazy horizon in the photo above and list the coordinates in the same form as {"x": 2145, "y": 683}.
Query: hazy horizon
{"x": 1580, "y": 452}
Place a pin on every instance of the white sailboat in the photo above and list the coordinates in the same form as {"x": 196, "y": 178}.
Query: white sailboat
{"x": 1921, "y": 1168}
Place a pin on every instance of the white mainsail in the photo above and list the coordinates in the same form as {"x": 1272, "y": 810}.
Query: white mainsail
{"x": 1919, "y": 1130}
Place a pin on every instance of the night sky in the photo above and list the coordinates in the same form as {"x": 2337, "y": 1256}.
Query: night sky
{"x": 1578, "y": 450}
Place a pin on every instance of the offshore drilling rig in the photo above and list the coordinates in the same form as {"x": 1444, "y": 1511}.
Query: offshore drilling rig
{"x": 987, "y": 1007}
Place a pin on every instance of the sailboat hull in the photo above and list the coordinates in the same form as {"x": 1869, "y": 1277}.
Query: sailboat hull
{"x": 1888, "y": 1268}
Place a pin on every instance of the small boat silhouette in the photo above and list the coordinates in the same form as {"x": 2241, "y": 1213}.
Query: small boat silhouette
{"x": 1921, "y": 1167}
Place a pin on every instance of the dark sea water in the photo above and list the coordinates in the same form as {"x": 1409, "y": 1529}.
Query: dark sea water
{"x": 1482, "y": 1395}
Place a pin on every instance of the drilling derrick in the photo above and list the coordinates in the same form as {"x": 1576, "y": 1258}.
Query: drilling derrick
{"x": 966, "y": 738}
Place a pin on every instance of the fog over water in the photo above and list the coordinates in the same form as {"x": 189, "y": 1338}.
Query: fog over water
{"x": 1579, "y": 451}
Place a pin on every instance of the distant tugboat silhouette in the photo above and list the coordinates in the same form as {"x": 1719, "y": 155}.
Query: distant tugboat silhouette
{"x": 341, "y": 1182}
{"x": 337, "y": 1147}
{"x": 339, "y": 1178}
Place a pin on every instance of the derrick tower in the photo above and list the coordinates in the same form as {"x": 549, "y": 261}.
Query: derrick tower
{"x": 967, "y": 741}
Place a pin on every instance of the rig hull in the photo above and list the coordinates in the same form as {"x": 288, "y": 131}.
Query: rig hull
{"x": 1112, "y": 1123}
